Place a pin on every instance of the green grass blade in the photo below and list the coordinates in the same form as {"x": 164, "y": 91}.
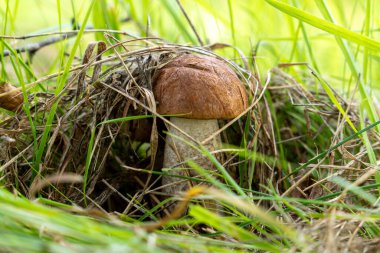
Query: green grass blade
{"x": 359, "y": 192}
{"x": 41, "y": 225}
{"x": 60, "y": 84}
{"x": 366, "y": 106}
{"x": 335, "y": 194}
{"x": 88, "y": 163}
{"x": 368, "y": 145}
{"x": 226, "y": 176}
{"x": 125, "y": 119}
{"x": 58, "y": 2}
{"x": 339, "y": 32}
{"x": 26, "y": 105}
{"x": 223, "y": 172}
{"x": 352, "y": 63}
{"x": 178, "y": 21}
{"x": 92, "y": 140}
{"x": 224, "y": 225}
{"x": 21, "y": 61}
{"x": 326, "y": 26}
{"x": 308, "y": 44}
{"x": 333, "y": 99}
{"x": 324, "y": 153}
{"x": 207, "y": 175}
{"x": 232, "y": 23}
{"x": 3, "y": 75}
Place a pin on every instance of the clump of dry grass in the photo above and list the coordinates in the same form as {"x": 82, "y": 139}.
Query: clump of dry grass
{"x": 107, "y": 103}
{"x": 105, "y": 147}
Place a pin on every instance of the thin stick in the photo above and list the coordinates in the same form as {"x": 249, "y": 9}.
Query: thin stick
{"x": 34, "y": 47}
{"x": 190, "y": 23}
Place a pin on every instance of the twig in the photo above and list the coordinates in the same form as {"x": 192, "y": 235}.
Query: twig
{"x": 34, "y": 47}
{"x": 74, "y": 32}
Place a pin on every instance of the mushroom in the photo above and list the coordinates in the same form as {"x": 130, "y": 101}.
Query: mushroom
{"x": 11, "y": 101}
{"x": 201, "y": 90}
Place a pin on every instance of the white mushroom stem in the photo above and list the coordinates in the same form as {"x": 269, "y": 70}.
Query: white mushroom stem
{"x": 178, "y": 152}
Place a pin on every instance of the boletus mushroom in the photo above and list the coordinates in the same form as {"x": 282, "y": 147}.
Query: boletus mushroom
{"x": 201, "y": 90}
{"x": 10, "y": 98}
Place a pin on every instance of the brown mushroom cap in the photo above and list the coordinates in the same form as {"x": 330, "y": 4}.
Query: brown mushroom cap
{"x": 200, "y": 87}
{"x": 11, "y": 101}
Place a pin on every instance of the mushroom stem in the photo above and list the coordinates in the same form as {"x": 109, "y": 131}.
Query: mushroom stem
{"x": 177, "y": 152}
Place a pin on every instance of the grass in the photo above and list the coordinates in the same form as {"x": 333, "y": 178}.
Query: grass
{"x": 298, "y": 172}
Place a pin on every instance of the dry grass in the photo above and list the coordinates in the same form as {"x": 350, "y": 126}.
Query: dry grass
{"x": 105, "y": 148}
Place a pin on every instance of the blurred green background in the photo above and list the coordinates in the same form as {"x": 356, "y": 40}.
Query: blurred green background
{"x": 253, "y": 26}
